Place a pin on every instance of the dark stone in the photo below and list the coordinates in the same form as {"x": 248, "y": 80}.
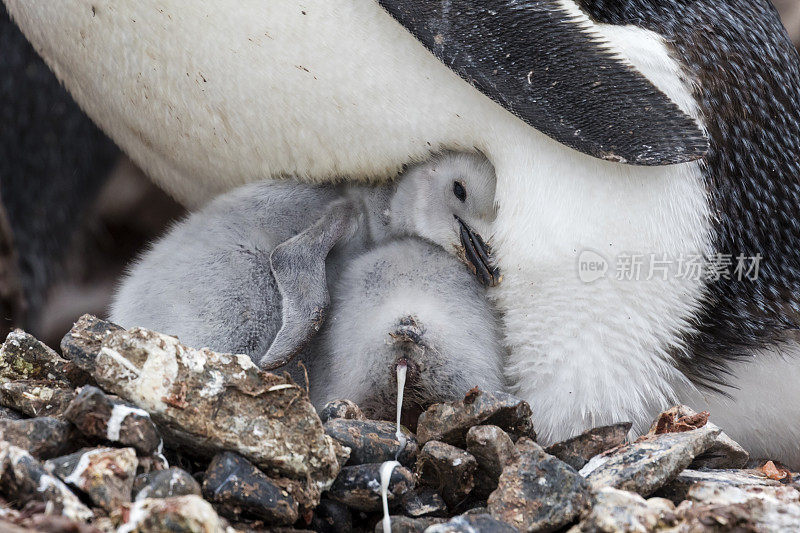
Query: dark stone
{"x": 405, "y": 524}
{"x": 332, "y": 517}
{"x": 359, "y": 487}
{"x": 484, "y": 523}
{"x": 237, "y": 488}
{"x": 165, "y": 484}
{"x": 577, "y": 451}
{"x": 649, "y": 463}
{"x": 43, "y": 437}
{"x": 105, "y": 475}
{"x": 449, "y": 422}
{"x": 153, "y": 463}
{"x": 493, "y": 449}
{"x": 10, "y": 414}
{"x": 82, "y": 343}
{"x": 538, "y": 492}
{"x": 25, "y": 480}
{"x": 22, "y": 356}
{"x": 677, "y": 489}
{"x": 372, "y": 441}
{"x": 97, "y": 414}
{"x": 423, "y": 501}
{"x": 345, "y": 409}
{"x": 37, "y": 398}
{"x": 450, "y": 470}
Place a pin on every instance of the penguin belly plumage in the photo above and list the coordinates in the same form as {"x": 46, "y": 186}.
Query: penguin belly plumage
{"x": 331, "y": 89}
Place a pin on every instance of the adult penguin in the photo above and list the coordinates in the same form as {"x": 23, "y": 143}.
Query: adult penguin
{"x": 559, "y": 94}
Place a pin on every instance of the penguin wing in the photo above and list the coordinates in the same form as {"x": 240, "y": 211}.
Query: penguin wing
{"x": 541, "y": 63}
{"x": 298, "y": 266}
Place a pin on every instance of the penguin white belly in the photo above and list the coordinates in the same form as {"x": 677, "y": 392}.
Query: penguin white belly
{"x": 329, "y": 89}
{"x": 253, "y": 89}
{"x": 762, "y": 409}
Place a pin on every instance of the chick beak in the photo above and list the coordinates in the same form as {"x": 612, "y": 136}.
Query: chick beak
{"x": 478, "y": 253}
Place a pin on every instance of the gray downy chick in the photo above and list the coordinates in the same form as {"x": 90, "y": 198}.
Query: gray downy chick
{"x": 248, "y": 273}
{"x": 448, "y": 200}
{"x": 406, "y": 303}
{"x": 209, "y": 280}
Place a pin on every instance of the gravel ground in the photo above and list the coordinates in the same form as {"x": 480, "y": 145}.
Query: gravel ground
{"x": 131, "y": 431}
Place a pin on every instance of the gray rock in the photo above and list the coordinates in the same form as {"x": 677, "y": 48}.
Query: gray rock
{"x": 36, "y": 397}
{"x": 345, "y": 409}
{"x": 724, "y": 453}
{"x": 577, "y": 451}
{"x": 472, "y": 523}
{"x": 105, "y": 475}
{"x": 493, "y": 449}
{"x": 619, "y": 511}
{"x": 43, "y": 437}
{"x": 405, "y": 524}
{"x": 332, "y": 517}
{"x": 181, "y": 514}
{"x": 423, "y": 501}
{"x": 165, "y": 484}
{"x": 677, "y": 489}
{"x": 97, "y": 414}
{"x": 206, "y": 401}
{"x": 24, "y": 480}
{"x": 712, "y": 507}
{"x": 359, "y": 487}
{"x": 23, "y": 357}
{"x": 538, "y": 492}
{"x": 372, "y": 441}
{"x": 649, "y": 463}
{"x": 449, "y": 422}
{"x": 238, "y": 489}
{"x": 450, "y": 470}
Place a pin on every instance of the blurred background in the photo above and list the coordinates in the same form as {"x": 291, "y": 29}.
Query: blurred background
{"x": 73, "y": 209}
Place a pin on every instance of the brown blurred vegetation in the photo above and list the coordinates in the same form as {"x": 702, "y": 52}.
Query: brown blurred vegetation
{"x": 790, "y": 12}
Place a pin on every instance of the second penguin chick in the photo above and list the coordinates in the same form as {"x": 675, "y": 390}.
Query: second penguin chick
{"x": 247, "y": 273}
{"x": 406, "y": 303}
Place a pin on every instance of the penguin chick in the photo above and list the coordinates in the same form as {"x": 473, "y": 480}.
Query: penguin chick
{"x": 212, "y": 280}
{"x": 208, "y": 281}
{"x": 406, "y": 303}
{"x": 460, "y": 184}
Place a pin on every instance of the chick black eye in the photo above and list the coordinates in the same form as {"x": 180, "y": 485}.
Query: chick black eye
{"x": 460, "y": 191}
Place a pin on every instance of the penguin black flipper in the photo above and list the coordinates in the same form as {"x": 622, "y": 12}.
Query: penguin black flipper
{"x": 298, "y": 266}
{"x": 539, "y": 62}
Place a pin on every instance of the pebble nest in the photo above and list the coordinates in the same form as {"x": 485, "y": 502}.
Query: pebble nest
{"x": 131, "y": 431}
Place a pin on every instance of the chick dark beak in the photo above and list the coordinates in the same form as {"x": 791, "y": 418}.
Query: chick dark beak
{"x": 477, "y": 254}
